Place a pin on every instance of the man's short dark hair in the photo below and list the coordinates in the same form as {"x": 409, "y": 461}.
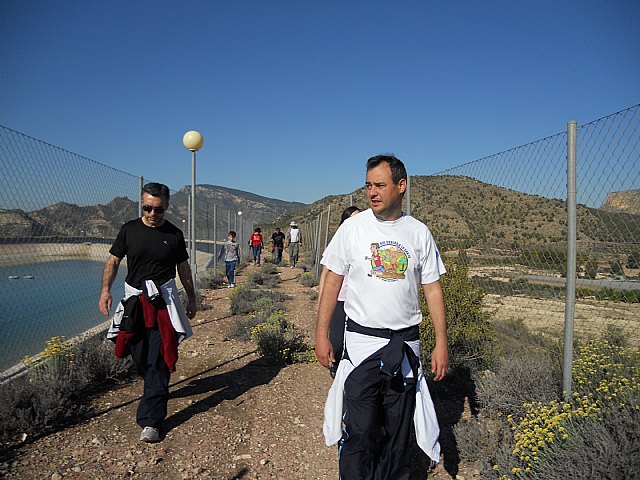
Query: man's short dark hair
{"x": 157, "y": 190}
{"x": 398, "y": 172}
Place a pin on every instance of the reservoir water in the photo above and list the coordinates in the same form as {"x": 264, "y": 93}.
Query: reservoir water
{"x": 49, "y": 299}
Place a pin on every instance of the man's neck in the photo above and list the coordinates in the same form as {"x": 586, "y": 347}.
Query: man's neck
{"x": 389, "y": 217}
{"x": 144, "y": 220}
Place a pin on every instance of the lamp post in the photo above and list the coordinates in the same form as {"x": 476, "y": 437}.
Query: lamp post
{"x": 193, "y": 142}
{"x": 240, "y": 231}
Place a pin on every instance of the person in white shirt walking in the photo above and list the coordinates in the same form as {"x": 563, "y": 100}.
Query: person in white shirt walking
{"x": 379, "y": 391}
{"x": 294, "y": 242}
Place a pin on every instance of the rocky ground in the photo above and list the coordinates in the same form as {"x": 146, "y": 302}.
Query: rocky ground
{"x": 231, "y": 414}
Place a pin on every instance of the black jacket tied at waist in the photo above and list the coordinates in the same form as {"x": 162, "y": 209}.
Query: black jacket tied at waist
{"x": 392, "y": 354}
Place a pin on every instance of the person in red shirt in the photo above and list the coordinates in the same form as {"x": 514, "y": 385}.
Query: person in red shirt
{"x": 256, "y": 243}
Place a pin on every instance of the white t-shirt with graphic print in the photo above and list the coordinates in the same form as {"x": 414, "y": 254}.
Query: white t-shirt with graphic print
{"x": 387, "y": 262}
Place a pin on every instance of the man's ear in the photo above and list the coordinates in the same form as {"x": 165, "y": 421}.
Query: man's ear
{"x": 402, "y": 185}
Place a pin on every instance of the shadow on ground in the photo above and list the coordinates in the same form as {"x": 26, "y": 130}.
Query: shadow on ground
{"x": 218, "y": 387}
{"x": 449, "y": 396}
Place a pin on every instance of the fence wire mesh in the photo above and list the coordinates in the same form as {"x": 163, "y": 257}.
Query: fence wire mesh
{"x": 59, "y": 213}
{"x": 505, "y": 216}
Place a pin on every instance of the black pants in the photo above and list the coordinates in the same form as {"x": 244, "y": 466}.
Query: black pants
{"x": 150, "y": 364}
{"x": 378, "y": 434}
{"x": 336, "y": 330}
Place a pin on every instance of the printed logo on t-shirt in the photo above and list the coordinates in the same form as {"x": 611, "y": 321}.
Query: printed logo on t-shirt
{"x": 389, "y": 260}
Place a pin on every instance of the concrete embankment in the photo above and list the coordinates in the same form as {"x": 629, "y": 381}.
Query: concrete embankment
{"x": 21, "y": 254}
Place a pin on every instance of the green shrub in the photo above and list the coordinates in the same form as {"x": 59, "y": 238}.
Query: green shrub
{"x": 212, "y": 279}
{"x": 469, "y": 333}
{"x": 595, "y": 448}
{"x": 243, "y": 299}
{"x": 259, "y": 277}
{"x": 594, "y": 435}
{"x": 616, "y": 336}
{"x": 308, "y": 279}
{"x": 591, "y": 268}
{"x": 627, "y": 296}
{"x": 241, "y": 328}
{"x": 270, "y": 269}
{"x": 305, "y": 268}
{"x": 528, "y": 377}
{"x": 49, "y": 394}
{"x": 278, "y": 340}
{"x": 480, "y": 438}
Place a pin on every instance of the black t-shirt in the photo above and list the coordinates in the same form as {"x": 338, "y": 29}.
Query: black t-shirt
{"x": 152, "y": 253}
{"x": 278, "y": 239}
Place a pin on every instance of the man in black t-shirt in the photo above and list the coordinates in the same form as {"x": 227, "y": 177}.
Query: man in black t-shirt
{"x": 154, "y": 248}
{"x": 278, "y": 245}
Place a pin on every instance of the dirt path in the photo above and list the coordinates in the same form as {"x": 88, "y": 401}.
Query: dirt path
{"x": 231, "y": 415}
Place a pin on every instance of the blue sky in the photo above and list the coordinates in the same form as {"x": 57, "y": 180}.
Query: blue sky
{"x": 293, "y": 97}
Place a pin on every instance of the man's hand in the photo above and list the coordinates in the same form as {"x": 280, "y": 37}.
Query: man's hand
{"x": 324, "y": 352}
{"x": 439, "y": 362}
{"x": 108, "y": 276}
{"x": 104, "y": 304}
{"x": 191, "y": 308}
{"x": 435, "y": 302}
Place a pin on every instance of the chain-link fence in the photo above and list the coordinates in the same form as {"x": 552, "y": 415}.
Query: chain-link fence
{"x": 505, "y": 216}
{"x": 59, "y": 214}
{"x": 511, "y": 227}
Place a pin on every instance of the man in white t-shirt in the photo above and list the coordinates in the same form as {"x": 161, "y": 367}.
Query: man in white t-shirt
{"x": 379, "y": 391}
{"x": 294, "y": 241}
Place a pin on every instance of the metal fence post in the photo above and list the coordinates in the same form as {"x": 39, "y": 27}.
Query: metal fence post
{"x": 326, "y": 233}
{"x": 215, "y": 238}
{"x": 190, "y": 235}
{"x": 570, "y": 297}
{"x": 408, "y": 195}
{"x": 140, "y": 185}
{"x": 317, "y": 245}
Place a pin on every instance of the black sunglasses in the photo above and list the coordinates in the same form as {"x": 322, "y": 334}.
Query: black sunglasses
{"x": 149, "y": 208}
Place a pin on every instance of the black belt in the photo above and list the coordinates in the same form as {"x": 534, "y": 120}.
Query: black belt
{"x": 406, "y": 334}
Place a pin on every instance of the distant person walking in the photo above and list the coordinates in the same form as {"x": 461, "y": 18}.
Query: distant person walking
{"x": 278, "y": 239}
{"x": 339, "y": 318}
{"x": 256, "y": 242}
{"x": 150, "y": 320}
{"x": 231, "y": 253}
{"x": 294, "y": 241}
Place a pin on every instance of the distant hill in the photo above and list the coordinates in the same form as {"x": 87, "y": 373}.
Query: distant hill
{"x": 460, "y": 211}
{"x": 463, "y": 212}
{"x": 104, "y": 221}
{"x": 255, "y": 209}
{"x": 627, "y": 202}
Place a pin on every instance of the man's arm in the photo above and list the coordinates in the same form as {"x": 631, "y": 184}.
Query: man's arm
{"x": 435, "y": 301}
{"x": 108, "y": 277}
{"x": 326, "y": 307}
{"x": 184, "y": 271}
{"x": 323, "y": 277}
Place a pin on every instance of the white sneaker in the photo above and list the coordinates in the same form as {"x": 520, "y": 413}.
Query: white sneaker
{"x": 149, "y": 435}
{"x": 233, "y": 285}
